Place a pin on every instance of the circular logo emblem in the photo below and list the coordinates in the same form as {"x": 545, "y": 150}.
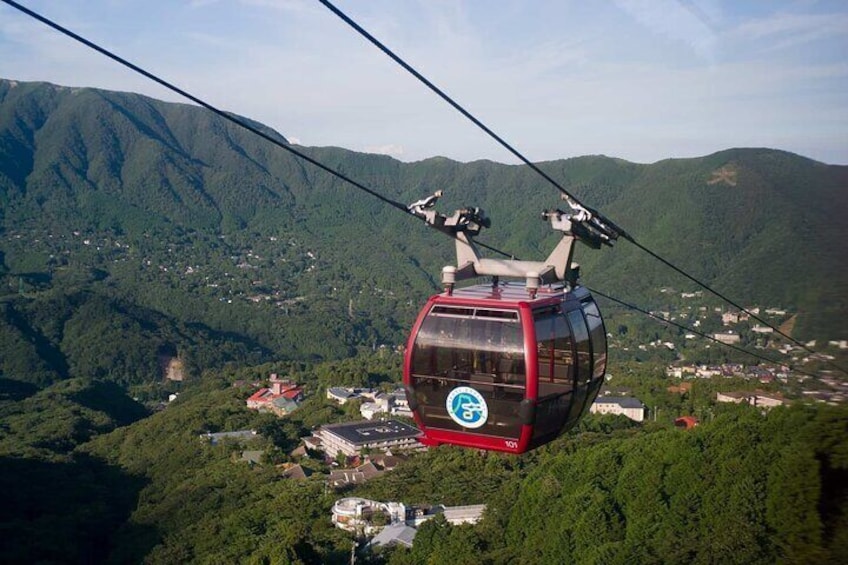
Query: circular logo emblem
{"x": 467, "y": 407}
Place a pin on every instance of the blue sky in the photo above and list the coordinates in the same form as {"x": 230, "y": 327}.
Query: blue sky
{"x": 642, "y": 80}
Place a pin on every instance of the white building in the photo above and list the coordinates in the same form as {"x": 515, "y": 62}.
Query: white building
{"x": 398, "y": 522}
{"x": 728, "y": 338}
{"x": 357, "y": 514}
{"x": 628, "y": 406}
{"x": 394, "y": 403}
{"x": 707, "y": 371}
{"x": 370, "y": 409}
{"x": 340, "y": 394}
{"x": 352, "y": 438}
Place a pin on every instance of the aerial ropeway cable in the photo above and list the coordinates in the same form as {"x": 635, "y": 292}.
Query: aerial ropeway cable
{"x": 221, "y": 113}
{"x": 505, "y": 366}
{"x": 523, "y": 363}
{"x": 572, "y": 200}
{"x": 704, "y": 335}
{"x": 199, "y": 101}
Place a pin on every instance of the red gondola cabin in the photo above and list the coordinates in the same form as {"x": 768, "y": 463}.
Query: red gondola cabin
{"x": 492, "y": 368}
{"x": 506, "y": 366}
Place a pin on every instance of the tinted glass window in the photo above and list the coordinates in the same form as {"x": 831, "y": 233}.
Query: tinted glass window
{"x": 555, "y": 351}
{"x": 583, "y": 373}
{"x": 599, "y": 338}
{"x": 483, "y": 350}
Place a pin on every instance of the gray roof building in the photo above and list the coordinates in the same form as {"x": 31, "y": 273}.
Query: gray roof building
{"x": 626, "y": 405}
{"x": 352, "y": 437}
{"x": 399, "y": 534}
{"x": 238, "y": 435}
{"x": 623, "y": 401}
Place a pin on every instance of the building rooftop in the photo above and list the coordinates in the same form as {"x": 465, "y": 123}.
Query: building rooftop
{"x": 464, "y": 514}
{"x": 293, "y": 393}
{"x": 361, "y": 433}
{"x": 623, "y": 401}
{"x": 297, "y": 472}
{"x": 284, "y": 404}
{"x": 686, "y": 422}
{"x": 396, "y": 533}
{"x": 340, "y": 392}
{"x": 253, "y": 457}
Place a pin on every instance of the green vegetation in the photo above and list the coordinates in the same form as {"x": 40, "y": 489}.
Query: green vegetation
{"x": 137, "y": 235}
{"x": 61, "y": 505}
{"x": 703, "y": 496}
{"x": 745, "y": 488}
{"x": 767, "y": 486}
{"x": 164, "y": 209}
{"x": 57, "y": 335}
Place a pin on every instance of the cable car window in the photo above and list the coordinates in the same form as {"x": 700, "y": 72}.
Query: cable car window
{"x": 509, "y": 315}
{"x": 554, "y": 347}
{"x": 497, "y": 314}
{"x": 583, "y": 375}
{"x": 481, "y": 349}
{"x": 598, "y": 337}
{"x": 452, "y": 311}
{"x": 555, "y": 372}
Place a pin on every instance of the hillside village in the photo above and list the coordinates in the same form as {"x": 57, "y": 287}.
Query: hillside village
{"x": 264, "y": 271}
{"x": 352, "y": 446}
{"x": 353, "y": 453}
{"x": 229, "y": 270}
{"x": 356, "y": 452}
{"x": 241, "y": 272}
{"x": 731, "y": 327}
{"x": 796, "y": 375}
{"x": 806, "y": 370}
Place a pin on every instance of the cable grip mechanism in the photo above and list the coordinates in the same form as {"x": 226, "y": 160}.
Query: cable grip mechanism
{"x": 466, "y": 223}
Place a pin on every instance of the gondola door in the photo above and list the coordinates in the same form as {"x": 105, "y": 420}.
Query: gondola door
{"x": 467, "y": 376}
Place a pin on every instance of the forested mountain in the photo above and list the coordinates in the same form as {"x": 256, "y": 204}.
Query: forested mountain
{"x": 136, "y": 233}
{"x": 164, "y": 215}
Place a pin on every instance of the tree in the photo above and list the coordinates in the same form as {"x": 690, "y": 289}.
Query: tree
{"x": 341, "y": 459}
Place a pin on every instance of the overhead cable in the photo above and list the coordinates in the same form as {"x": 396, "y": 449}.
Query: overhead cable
{"x": 225, "y": 115}
{"x": 735, "y": 305}
{"x": 221, "y": 113}
{"x": 382, "y": 47}
{"x": 701, "y": 334}
{"x": 397, "y": 59}
{"x": 397, "y": 205}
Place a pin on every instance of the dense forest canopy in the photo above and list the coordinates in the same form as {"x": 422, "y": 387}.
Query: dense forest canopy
{"x": 767, "y": 486}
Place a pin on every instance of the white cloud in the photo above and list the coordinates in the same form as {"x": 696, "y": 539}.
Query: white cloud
{"x": 682, "y": 21}
{"x": 783, "y": 31}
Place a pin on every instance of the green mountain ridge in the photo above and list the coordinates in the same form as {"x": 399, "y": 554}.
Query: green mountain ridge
{"x": 188, "y": 216}
{"x": 134, "y": 232}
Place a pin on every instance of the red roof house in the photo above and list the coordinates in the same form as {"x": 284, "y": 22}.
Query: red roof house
{"x": 686, "y": 422}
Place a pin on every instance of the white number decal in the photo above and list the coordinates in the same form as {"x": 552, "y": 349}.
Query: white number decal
{"x": 511, "y": 444}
